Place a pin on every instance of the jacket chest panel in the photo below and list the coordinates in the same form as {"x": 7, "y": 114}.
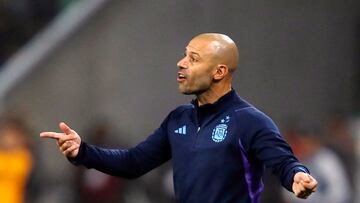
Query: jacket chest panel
{"x": 215, "y": 133}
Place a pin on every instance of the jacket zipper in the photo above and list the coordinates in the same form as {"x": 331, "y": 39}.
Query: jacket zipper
{"x": 198, "y": 130}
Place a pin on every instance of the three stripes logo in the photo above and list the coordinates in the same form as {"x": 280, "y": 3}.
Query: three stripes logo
{"x": 181, "y": 130}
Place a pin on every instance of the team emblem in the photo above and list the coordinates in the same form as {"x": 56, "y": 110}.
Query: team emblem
{"x": 220, "y": 131}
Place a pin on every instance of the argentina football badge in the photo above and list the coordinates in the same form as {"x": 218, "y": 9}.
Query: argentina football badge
{"x": 220, "y": 131}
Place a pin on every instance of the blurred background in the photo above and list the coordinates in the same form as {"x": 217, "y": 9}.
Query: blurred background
{"x": 108, "y": 69}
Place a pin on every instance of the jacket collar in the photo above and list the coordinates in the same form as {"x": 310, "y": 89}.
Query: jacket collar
{"x": 224, "y": 102}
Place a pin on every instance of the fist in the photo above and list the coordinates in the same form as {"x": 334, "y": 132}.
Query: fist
{"x": 303, "y": 185}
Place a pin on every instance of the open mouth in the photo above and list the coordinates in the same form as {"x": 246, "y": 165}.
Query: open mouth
{"x": 181, "y": 77}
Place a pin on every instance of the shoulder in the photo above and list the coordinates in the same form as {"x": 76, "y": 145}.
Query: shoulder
{"x": 255, "y": 128}
{"x": 251, "y": 116}
{"x": 177, "y": 114}
{"x": 180, "y": 110}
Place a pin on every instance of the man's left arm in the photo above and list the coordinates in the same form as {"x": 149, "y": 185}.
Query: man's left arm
{"x": 271, "y": 149}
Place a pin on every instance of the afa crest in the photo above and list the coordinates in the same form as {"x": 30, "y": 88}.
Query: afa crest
{"x": 220, "y": 131}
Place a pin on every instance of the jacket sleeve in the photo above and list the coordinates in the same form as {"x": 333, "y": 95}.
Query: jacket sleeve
{"x": 269, "y": 147}
{"x": 127, "y": 163}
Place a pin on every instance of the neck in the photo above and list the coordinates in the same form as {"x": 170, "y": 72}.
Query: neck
{"x": 213, "y": 94}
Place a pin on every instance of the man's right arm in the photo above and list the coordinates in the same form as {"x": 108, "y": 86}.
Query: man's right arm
{"x": 127, "y": 163}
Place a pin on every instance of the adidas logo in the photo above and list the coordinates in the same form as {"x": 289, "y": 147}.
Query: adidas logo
{"x": 181, "y": 130}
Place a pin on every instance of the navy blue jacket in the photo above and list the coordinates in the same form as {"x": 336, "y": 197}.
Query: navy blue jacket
{"x": 218, "y": 151}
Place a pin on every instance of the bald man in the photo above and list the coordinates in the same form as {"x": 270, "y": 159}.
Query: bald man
{"x": 219, "y": 144}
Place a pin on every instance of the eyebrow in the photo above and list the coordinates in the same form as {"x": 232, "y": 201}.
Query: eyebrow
{"x": 194, "y": 53}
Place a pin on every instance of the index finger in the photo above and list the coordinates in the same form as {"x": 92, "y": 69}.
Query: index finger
{"x": 52, "y": 135}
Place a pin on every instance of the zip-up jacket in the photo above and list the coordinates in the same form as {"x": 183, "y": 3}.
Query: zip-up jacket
{"x": 218, "y": 152}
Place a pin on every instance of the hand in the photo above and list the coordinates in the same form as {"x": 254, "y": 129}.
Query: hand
{"x": 303, "y": 185}
{"x": 68, "y": 141}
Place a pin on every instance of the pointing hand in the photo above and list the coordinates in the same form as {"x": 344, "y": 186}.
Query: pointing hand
{"x": 68, "y": 141}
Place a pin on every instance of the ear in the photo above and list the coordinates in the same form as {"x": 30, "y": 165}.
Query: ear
{"x": 220, "y": 72}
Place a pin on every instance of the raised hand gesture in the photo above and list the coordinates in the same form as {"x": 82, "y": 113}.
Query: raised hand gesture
{"x": 68, "y": 141}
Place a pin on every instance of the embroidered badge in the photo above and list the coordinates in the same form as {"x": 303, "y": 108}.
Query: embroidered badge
{"x": 220, "y": 131}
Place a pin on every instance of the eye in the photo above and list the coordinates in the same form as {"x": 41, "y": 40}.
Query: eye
{"x": 193, "y": 59}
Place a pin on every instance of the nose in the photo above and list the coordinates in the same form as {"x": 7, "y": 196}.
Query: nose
{"x": 182, "y": 63}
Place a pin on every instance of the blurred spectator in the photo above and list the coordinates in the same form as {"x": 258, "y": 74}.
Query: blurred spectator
{"x": 95, "y": 186}
{"x": 324, "y": 165}
{"x": 355, "y": 131}
{"x": 15, "y": 160}
{"x": 339, "y": 138}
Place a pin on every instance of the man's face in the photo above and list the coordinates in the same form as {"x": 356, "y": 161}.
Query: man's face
{"x": 196, "y": 69}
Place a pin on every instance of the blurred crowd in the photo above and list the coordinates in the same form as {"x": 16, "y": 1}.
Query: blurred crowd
{"x": 329, "y": 150}
{"x": 22, "y": 19}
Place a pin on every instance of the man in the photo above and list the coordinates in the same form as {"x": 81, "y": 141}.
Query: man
{"x": 219, "y": 144}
